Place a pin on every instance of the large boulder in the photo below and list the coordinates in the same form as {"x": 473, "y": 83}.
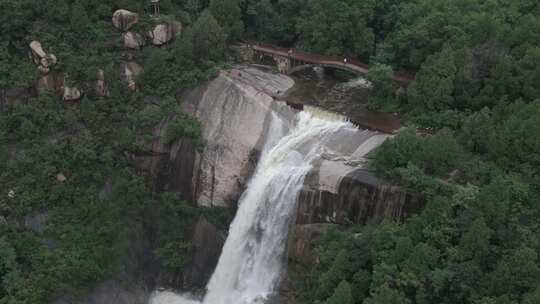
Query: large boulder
{"x": 133, "y": 40}
{"x": 101, "y": 88}
{"x": 71, "y": 93}
{"x": 41, "y": 58}
{"x": 37, "y": 51}
{"x": 129, "y": 72}
{"x": 124, "y": 19}
{"x": 164, "y": 33}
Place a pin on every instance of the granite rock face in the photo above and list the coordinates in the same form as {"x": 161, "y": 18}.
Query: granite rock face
{"x": 359, "y": 198}
{"x": 235, "y": 110}
{"x": 207, "y": 243}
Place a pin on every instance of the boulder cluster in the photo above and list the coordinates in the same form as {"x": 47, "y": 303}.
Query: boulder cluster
{"x": 123, "y": 20}
{"x": 55, "y": 81}
{"x": 160, "y": 34}
{"x": 41, "y": 58}
{"x": 51, "y": 80}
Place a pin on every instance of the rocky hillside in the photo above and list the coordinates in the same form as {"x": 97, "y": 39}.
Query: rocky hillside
{"x": 78, "y": 222}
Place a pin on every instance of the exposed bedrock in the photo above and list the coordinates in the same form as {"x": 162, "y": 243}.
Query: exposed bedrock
{"x": 235, "y": 111}
{"x": 358, "y": 198}
{"x": 207, "y": 242}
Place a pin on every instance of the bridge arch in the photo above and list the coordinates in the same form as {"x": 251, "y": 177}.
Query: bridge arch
{"x": 265, "y": 58}
{"x": 298, "y": 68}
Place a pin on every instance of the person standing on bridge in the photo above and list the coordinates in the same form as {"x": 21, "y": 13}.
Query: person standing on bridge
{"x": 290, "y": 52}
{"x": 345, "y": 61}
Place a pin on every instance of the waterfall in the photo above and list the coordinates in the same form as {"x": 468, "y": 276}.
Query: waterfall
{"x": 251, "y": 265}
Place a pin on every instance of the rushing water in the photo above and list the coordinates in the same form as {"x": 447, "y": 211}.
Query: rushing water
{"x": 252, "y": 262}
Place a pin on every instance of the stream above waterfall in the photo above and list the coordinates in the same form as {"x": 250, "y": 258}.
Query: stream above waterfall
{"x": 349, "y": 97}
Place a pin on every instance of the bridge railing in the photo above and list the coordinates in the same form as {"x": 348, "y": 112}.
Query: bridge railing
{"x": 352, "y": 63}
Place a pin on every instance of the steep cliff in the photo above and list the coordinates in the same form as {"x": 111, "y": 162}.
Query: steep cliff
{"x": 235, "y": 111}
{"x": 358, "y": 198}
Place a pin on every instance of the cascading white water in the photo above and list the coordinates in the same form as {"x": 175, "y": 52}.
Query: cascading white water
{"x": 251, "y": 264}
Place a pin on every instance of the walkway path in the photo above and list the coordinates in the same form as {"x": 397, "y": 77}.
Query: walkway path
{"x": 350, "y": 64}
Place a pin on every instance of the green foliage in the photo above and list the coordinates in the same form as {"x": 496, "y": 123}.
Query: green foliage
{"x": 102, "y": 209}
{"x": 184, "y": 128}
{"x": 476, "y": 239}
{"x": 342, "y": 294}
{"x": 382, "y": 93}
{"x": 86, "y": 232}
{"x": 337, "y": 27}
{"x": 80, "y": 22}
{"x": 434, "y": 85}
{"x": 229, "y": 16}
{"x": 9, "y": 268}
{"x": 173, "y": 246}
{"x": 29, "y": 121}
{"x": 207, "y": 38}
{"x": 387, "y": 295}
{"x": 330, "y": 279}
{"x": 174, "y": 255}
{"x": 15, "y": 71}
{"x": 533, "y": 297}
{"x": 437, "y": 154}
{"x": 156, "y": 78}
{"x": 477, "y": 87}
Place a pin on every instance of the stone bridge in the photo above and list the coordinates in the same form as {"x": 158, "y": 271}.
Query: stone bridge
{"x": 289, "y": 61}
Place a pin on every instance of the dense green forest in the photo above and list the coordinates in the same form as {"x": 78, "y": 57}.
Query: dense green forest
{"x": 477, "y": 91}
